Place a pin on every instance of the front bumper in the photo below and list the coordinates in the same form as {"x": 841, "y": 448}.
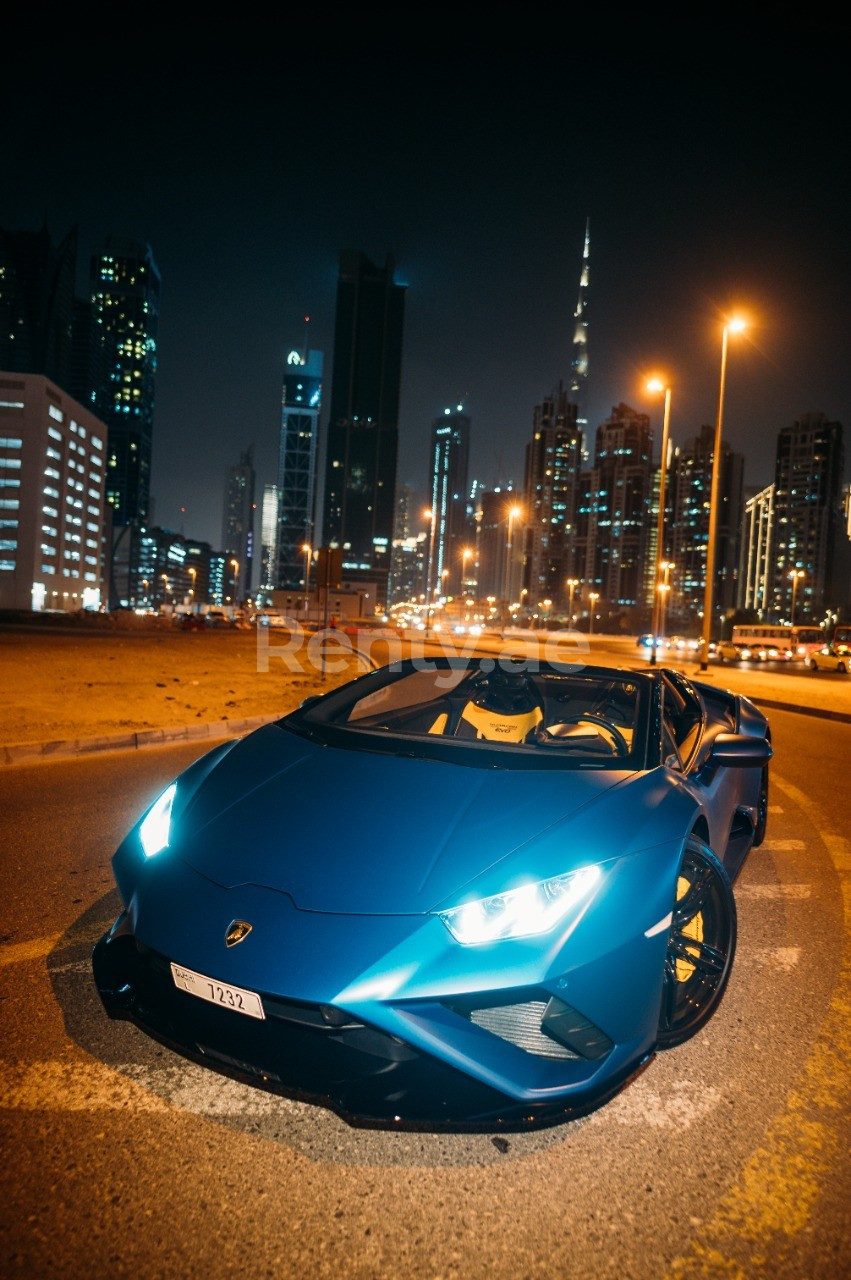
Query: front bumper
{"x": 361, "y": 1071}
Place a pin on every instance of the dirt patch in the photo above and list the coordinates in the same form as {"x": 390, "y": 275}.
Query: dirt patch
{"x": 96, "y": 681}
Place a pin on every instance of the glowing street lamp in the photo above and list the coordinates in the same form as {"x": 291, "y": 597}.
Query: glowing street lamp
{"x": 732, "y": 326}
{"x": 593, "y": 596}
{"x": 466, "y": 555}
{"x": 194, "y": 573}
{"x": 656, "y": 384}
{"x": 547, "y": 604}
{"x": 514, "y": 513}
{"x": 572, "y": 584}
{"x": 234, "y": 564}
{"x": 430, "y": 515}
{"x": 795, "y": 575}
{"x": 308, "y": 552}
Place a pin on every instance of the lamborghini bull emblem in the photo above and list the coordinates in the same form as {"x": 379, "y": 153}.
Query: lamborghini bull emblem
{"x": 237, "y": 931}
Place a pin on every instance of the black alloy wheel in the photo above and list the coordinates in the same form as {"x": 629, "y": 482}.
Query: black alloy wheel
{"x": 701, "y": 946}
{"x": 761, "y": 810}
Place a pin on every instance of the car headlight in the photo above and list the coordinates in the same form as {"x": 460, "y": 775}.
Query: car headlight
{"x": 520, "y": 913}
{"x": 154, "y": 831}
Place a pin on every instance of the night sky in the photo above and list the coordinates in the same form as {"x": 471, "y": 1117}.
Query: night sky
{"x": 714, "y": 171}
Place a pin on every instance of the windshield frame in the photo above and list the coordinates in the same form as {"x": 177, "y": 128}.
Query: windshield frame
{"x": 317, "y": 720}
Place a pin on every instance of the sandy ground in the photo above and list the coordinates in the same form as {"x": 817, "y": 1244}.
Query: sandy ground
{"x": 94, "y": 682}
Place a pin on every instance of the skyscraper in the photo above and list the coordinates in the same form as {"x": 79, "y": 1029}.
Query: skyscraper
{"x": 37, "y": 280}
{"x": 579, "y": 360}
{"x": 688, "y": 489}
{"x": 363, "y": 428}
{"x": 613, "y": 510}
{"x": 125, "y": 309}
{"x": 268, "y": 536}
{"x": 553, "y": 463}
{"x": 301, "y": 403}
{"x": 238, "y": 518}
{"x": 808, "y": 514}
{"x": 449, "y": 459}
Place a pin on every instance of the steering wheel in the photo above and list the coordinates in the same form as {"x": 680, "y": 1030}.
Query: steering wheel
{"x": 619, "y": 742}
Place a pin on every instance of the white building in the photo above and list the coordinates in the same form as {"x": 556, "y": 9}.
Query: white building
{"x": 51, "y": 497}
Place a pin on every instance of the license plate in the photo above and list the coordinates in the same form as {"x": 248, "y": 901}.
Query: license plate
{"x": 226, "y": 997}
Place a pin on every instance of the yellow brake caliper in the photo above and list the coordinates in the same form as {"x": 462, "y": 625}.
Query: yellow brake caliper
{"x": 694, "y": 929}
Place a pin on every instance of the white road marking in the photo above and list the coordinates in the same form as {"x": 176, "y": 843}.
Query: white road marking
{"x": 92, "y": 1086}
{"x": 776, "y": 808}
{"x": 774, "y": 892}
{"x": 785, "y": 846}
{"x": 685, "y": 1104}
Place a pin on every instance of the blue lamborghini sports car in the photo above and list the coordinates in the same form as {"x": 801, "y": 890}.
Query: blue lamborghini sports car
{"x": 465, "y": 893}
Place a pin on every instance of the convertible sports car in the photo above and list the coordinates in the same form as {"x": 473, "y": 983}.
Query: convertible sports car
{"x": 467, "y": 893}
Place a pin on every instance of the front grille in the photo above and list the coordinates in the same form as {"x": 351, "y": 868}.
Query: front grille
{"x": 520, "y": 1024}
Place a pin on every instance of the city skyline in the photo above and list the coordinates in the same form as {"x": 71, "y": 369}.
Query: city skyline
{"x": 698, "y": 198}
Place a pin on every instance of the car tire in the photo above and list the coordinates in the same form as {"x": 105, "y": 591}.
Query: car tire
{"x": 701, "y": 946}
{"x": 813, "y": 665}
{"x": 761, "y": 810}
{"x": 840, "y": 666}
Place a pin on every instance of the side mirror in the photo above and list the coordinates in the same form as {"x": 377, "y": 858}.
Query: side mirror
{"x": 740, "y": 751}
{"x": 308, "y": 702}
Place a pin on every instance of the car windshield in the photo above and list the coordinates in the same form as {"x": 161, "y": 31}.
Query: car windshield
{"x": 488, "y": 713}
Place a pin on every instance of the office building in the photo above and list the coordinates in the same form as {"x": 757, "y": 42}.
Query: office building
{"x": 553, "y": 463}
{"x": 613, "y": 513}
{"x": 579, "y": 364}
{"x": 301, "y": 403}
{"x": 808, "y": 516}
{"x": 689, "y": 486}
{"x": 756, "y": 554}
{"x": 449, "y": 459}
{"x": 363, "y": 426}
{"x": 51, "y": 497}
{"x": 238, "y": 519}
{"x": 37, "y": 282}
{"x": 125, "y": 287}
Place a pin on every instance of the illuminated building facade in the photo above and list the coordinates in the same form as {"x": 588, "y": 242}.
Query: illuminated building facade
{"x": 51, "y": 497}
{"x": 756, "y": 555}
{"x": 301, "y": 403}
{"x": 613, "y": 512}
{"x": 449, "y": 458}
{"x": 269, "y": 514}
{"x": 689, "y": 485}
{"x": 363, "y": 427}
{"x": 125, "y": 287}
{"x": 579, "y": 362}
{"x": 553, "y": 463}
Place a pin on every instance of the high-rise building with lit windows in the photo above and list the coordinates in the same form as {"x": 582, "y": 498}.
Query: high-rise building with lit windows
{"x": 51, "y": 497}
{"x": 268, "y": 536}
{"x": 301, "y": 405}
{"x": 808, "y": 516}
{"x": 125, "y": 291}
{"x": 688, "y": 487}
{"x": 363, "y": 425}
{"x": 613, "y": 511}
{"x": 449, "y": 460}
{"x": 553, "y": 464}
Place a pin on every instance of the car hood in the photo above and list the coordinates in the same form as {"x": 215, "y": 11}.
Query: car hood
{"x": 353, "y": 831}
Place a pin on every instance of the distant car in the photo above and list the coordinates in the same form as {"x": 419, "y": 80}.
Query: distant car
{"x": 831, "y": 658}
{"x": 726, "y": 651}
{"x": 529, "y": 892}
{"x": 191, "y": 622}
{"x": 646, "y": 641}
{"x": 217, "y": 618}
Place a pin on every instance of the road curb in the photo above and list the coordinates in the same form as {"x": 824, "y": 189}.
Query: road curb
{"x": 138, "y": 739}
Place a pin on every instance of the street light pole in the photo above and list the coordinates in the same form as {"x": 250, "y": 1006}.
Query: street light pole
{"x": 513, "y": 512}
{"x": 794, "y": 575}
{"x": 572, "y": 584}
{"x": 593, "y": 596}
{"x": 308, "y": 552}
{"x": 656, "y": 385}
{"x": 732, "y": 326}
{"x": 430, "y": 515}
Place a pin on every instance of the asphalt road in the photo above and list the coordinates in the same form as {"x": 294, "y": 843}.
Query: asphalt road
{"x": 728, "y": 1157}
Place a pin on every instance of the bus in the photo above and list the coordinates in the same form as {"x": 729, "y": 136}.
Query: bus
{"x": 775, "y": 643}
